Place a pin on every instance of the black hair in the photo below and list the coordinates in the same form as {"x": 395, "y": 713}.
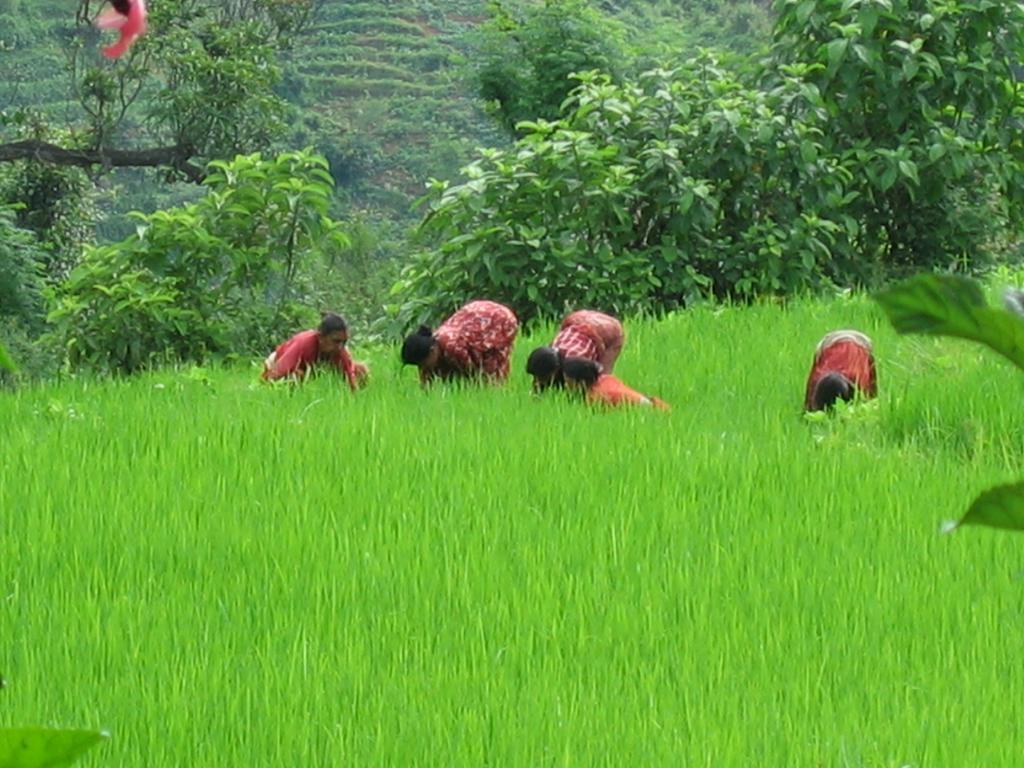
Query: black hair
{"x": 581, "y": 369}
{"x": 330, "y": 323}
{"x": 543, "y": 362}
{"x": 830, "y": 388}
{"x": 417, "y": 346}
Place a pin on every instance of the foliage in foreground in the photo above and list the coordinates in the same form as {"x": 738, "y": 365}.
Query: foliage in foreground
{"x": 44, "y": 747}
{"x": 219, "y": 276}
{"x": 947, "y": 305}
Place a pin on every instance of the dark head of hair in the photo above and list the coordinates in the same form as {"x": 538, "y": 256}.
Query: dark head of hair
{"x": 580, "y": 369}
{"x": 830, "y": 388}
{"x": 330, "y": 323}
{"x": 543, "y": 362}
{"x": 417, "y": 346}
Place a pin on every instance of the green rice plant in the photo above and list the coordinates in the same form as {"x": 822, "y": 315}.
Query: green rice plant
{"x": 232, "y": 574}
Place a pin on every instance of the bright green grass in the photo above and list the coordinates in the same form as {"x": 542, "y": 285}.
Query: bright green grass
{"x": 230, "y": 574}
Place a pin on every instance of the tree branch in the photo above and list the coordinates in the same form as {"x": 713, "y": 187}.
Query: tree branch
{"x": 175, "y": 157}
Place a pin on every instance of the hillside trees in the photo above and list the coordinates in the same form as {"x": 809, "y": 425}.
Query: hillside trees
{"x": 526, "y": 52}
{"x": 843, "y": 160}
{"x": 923, "y": 110}
{"x": 198, "y": 87}
{"x": 207, "y": 69}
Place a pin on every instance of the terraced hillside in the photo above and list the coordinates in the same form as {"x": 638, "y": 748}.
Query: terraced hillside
{"x": 388, "y": 81}
{"x": 384, "y": 86}
{"x": 380, "y": 86}
{"x": 33, "y": 55}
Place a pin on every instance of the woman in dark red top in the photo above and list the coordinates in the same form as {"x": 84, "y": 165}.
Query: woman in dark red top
{"x": 476, "y": 341}
{"x": 325, "y": 344}
{"x": 844, "y": 364}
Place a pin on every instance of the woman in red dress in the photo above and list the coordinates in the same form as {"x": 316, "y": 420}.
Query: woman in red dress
{"x": 844, "y": 365}
{"x": 297, "y": 357}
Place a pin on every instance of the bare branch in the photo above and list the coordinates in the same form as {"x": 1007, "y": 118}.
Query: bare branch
{"x": 175, "y": 157}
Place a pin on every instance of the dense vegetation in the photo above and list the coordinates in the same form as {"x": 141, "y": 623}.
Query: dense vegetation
{"x": 226, "y": 572}
{"x": 870, "y": 139}
{"x": 876, "y": 138}
{"x": 387, "y": 93}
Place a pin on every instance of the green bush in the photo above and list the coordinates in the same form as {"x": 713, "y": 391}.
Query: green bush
{"x": 21, "y": 278}
{"x": 38, "y": 357}
{"x": 643, "y": 197}
{"x": 921, "y": 102}
{"x": 527, "y": 51}
{"x": 221, "y": 276}
{"x": 878, "y": 139}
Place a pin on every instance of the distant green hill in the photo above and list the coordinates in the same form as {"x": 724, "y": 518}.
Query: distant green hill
{"x": 381, "y": 88}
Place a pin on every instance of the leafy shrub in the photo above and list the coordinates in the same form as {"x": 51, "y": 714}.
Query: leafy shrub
{"x": 56, "y": 203}
{"x": 38, "y": 357}
{"x": 527, "y": 51}
{"x": 920, "y": 97}
{"x": 876, "y": 140}
{"x": 22, "y": 309}
{"x": 644, "y": 196}
{"x": 219, "y": 276}
{"x": 21, "y": 280}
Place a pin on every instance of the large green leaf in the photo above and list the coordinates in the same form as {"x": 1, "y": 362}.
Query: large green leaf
{"x": 44, "y": 747}
{"x": 999, "y": 507}
{"x": 6, "y": 361}
{"x": 947, "y": 305}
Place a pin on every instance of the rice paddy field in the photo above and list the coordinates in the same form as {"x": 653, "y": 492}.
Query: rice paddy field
{"x": 223, "y": 573}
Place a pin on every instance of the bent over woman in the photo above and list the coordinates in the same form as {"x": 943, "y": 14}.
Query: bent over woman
{"x": 296, "y": 357}
{"x": 476, "y": 341}
{"x": 585, "y": 334}
{"x": 844, "y": 364}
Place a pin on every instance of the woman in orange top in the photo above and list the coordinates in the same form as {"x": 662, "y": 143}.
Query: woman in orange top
{"x": 604, "y": 388}
{"x": 844, "y": 364}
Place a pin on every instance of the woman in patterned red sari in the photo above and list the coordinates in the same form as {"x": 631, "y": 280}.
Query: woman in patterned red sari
{"x": 844, "y": 365}
{"x": 474, "y": 342}
{"x": 584, "y": 334}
